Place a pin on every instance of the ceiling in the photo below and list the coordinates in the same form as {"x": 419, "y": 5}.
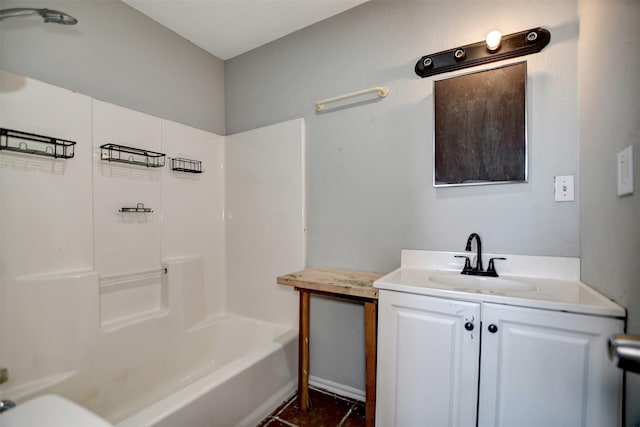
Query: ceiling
{"x": 227, "y": 28}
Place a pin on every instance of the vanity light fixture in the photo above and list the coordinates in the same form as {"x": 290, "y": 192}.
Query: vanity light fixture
{"x": 493, "y": 40}
{"x": 495, "y": 48}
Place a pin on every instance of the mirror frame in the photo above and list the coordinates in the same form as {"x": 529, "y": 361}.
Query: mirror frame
{"x": 444, "y": 131}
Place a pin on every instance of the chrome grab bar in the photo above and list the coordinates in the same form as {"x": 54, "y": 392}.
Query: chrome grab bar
{"x": 626, "y": 350}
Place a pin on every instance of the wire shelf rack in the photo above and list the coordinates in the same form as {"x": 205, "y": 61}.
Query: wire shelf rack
{"x": 186, "y": 165}
{"x": 138, "y": 209}
{"x": 132, "y": 156}
{"x": 40, "y": 145}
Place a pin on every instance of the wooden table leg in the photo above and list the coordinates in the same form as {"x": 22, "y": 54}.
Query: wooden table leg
{"x": 371, "y": 352}
{"x": 303, "y": 352}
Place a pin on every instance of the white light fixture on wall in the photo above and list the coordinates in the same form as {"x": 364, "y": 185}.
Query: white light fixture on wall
{"x": 493, "y": 40}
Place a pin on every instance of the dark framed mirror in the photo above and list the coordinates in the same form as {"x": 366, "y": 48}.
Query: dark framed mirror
{"x": 480, "y": 132}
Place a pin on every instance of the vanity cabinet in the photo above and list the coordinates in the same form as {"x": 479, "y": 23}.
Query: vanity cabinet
{"x": 427, "y": 361}
{"x": 448, "y": 362}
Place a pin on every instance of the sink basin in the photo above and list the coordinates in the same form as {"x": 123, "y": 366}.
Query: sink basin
{"x": 481, "y": 283}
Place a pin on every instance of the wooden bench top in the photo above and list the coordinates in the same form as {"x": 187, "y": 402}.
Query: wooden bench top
{"x": 334, "y": 281}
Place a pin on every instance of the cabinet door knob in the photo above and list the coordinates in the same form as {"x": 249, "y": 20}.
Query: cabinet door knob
{"x": 493, "y": 328}
{"x": 468, "y": 326}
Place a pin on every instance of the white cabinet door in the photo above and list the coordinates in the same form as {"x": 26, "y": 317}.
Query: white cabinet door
{"x": 546, "y": 368}
{"x": 427, "y": 361}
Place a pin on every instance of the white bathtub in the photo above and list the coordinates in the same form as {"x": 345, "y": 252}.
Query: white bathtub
{"x": 251, "y": 368}
{"x": 167, "y": 365}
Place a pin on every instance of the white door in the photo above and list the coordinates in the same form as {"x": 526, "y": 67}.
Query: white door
{"x": 428, "y": 351}
{"x": 546, "y": 368}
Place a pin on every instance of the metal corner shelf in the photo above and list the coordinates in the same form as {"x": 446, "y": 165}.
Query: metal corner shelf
{"x": 17, "y": 141}
{"x": 132, "y": 156}
{"x": 186, "y": 165}
{"x": 138, "y": 209}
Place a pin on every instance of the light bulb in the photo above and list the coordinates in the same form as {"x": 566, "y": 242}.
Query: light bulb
{"x": 493, "y": 40}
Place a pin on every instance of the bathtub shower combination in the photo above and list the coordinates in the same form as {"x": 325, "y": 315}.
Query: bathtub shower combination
{"x": 163, "y": 316}
{"x": 249, "y": 371}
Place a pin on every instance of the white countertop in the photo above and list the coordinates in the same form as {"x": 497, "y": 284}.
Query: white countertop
{"x": 554, "y": 282}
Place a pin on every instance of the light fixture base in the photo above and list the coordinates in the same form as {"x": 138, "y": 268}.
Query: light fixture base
{"x": 511, "y": 46}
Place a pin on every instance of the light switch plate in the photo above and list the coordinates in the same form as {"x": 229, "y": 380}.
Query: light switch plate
{"x": 564, "y": 188}
{"x": 625, "y": 171}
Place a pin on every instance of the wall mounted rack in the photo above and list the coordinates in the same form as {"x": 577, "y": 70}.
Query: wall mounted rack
{"x": 31, "y": 143}
{"x": 511, "y": 46}
{"x": 186, "y": 165}
{"x": 132, "y": 156}
{"x": 138, "y": 209}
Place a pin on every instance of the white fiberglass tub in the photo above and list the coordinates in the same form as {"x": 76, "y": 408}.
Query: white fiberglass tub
{"x": 250, "y": 370}
{"x": 167, "y": 365}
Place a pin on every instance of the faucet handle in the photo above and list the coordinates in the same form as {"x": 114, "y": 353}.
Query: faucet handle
{"x": 467, "y": 264}
{"x": 491, "y": 268}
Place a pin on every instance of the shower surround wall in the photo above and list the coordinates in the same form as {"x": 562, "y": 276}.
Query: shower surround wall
{"x": 85, "y": 309}
{"x": 257, "y": 209}
{"x": 187, "y": 218}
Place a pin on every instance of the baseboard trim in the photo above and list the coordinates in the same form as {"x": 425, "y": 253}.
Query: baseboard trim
{"x": 340, "y": 389}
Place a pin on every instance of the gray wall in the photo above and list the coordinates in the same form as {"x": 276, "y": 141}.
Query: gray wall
{"x": 117, "y": 55}
{"x": 369, "y": 191}
{"x": 609, "y": 99}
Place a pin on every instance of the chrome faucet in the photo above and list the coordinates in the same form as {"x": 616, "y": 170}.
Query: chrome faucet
{"x": 477, "y": 270}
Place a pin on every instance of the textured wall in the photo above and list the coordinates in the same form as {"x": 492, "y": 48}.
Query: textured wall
{"x": 369, "y": 167}
{"x": 609, "y": 99}
{"x": 117, "y": 55}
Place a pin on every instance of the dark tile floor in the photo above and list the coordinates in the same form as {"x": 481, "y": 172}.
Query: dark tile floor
{"x": 326, "y": 410}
